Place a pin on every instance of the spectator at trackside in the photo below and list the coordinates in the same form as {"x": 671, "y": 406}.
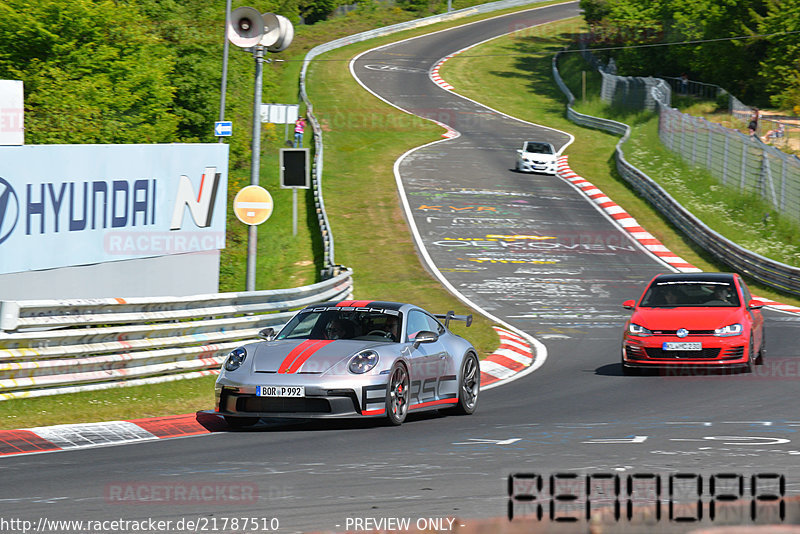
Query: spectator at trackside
{"x": 753, "y": 126}
{"x": 299, "y": 128}
{"x": 684, "y": 83}
{"x": 778, "y": 132}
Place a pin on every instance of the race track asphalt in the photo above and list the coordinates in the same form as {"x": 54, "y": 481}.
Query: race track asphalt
{"x": 529, "y": 249}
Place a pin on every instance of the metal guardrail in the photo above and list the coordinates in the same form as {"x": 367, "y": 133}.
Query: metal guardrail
{"x": 50, "y": 347}
{"x": 773, "y": 273}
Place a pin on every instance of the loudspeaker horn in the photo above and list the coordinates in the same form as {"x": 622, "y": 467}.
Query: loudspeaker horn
{"x": 246, "y": 27}
{"x": 278, "y": 32}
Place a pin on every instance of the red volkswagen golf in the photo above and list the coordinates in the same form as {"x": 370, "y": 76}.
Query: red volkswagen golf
{"x": 706, "y": 320}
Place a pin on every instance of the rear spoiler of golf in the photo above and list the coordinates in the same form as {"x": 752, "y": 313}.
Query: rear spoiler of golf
{"x": 451, "y": 316}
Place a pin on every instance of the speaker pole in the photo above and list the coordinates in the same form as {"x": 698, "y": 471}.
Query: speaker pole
{"x": 252, "y": 237}
{"x": 247, "y": 28}
{"x": 225, "y": 63}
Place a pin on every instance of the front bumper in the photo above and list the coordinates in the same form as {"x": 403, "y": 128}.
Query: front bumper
{"x": 322, "y": 400}
{"x": 526, "y": 166}
{"x": 716, "y": 353}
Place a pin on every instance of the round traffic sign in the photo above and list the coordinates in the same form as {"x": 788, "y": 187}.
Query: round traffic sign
{"x": 252, "y": 205}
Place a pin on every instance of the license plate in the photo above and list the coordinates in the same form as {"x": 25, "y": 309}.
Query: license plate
{"x": 682, "y": 345}
{"x": 280, "y": 391}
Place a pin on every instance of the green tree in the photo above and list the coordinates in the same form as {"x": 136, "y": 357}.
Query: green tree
{"x": 93, "y": 72}
{"x": 780, "y": 66}
{"x": 594, "y": 11}
{"x": 701, "y": 31}
{"x": 732, "y": 64}
{"x": 317, "y": 10}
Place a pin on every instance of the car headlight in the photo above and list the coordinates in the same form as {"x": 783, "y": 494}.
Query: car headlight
{"x": 636, "y": 330}
{"x": 363, "y": 361}
{"x": 730, "y": 330}
{"x": 235, "y": 359}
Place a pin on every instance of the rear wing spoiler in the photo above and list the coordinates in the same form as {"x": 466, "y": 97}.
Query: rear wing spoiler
{"x": 451, "y": 316}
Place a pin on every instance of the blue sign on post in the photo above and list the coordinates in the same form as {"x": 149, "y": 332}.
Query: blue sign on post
{"x": 223, "y": 128}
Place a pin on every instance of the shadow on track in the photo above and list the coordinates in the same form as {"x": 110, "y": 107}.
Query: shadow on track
{"x": 213, "y": 422}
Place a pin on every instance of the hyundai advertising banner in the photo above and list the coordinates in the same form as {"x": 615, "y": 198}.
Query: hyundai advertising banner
{"x": 67, "y": 205}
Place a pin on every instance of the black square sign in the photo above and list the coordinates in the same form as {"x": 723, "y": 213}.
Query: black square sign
{"x": 295, "y": 170}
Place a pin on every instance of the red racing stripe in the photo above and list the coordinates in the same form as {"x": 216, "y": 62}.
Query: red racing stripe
{"x": 355, "y": 303}
{"x": 433, "y": 403}
{"x": 306, "y": 355}
{"x": 295, "y": 352}
{"x": 380, "y": 411}
{"x": 301, "y": 353}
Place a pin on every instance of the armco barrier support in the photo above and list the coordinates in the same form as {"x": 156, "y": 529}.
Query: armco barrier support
{"x": 50, "y": 347}
{"x": 778, "y": 275}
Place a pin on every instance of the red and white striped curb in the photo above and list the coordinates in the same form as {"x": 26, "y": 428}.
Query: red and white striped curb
{"x": 623, "y": 219}
{"x": 84, "y": 435}
{"x": 512, "y": 356}
{"x": 629, "y": 224}
{"x": 437, "y": 79}
{"x": 450, "y": 133}
{"x": 778, "y": 305}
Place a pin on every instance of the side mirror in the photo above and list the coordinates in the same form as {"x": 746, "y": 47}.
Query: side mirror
{"x": 629, "y": 304}
{"x": 519, "y": 151}
{"x": 755, "y": 305}
{"x": 267, "y": 334}
{"x": 425, "y": 336}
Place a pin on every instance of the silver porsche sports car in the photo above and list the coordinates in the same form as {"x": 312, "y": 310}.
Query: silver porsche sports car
{"x": 351, "y": 359}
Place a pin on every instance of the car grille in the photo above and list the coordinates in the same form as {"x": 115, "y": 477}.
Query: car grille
{"x": 704, "y": 354}
{"x": 691, "y": 332}
{"x": 283, "y": 405}
{"x": 634, "y": 353}
{"x": 733, "y": 353}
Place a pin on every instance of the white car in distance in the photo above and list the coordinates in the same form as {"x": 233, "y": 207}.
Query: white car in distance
{"x": 536, "y": 156}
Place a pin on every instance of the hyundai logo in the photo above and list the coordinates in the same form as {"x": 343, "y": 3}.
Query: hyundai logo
{"x": 9, "y": 209}
{"x": 682, "y": 332}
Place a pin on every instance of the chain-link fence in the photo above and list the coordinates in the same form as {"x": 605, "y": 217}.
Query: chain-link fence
{"x": 632, "y": 92}
{"x": 685, "y": 86}
{"x": 738, "y": 160}
{"x": 780, "y": 131}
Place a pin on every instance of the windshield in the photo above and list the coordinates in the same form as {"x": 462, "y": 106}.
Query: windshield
{"x": 334, "y": 323}
{"x": 691, "y": 293}
{"x": 539, "y": 148}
